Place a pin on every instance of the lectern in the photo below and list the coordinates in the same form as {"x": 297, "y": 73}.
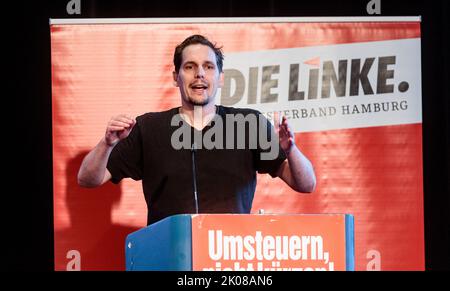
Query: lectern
{"x": 243, "y": 242}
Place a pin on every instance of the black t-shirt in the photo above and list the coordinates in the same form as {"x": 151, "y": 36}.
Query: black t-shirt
{"x": 225, "y": 177}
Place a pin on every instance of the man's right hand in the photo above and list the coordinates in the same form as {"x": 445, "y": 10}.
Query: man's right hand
{"x": 119, "y": 127}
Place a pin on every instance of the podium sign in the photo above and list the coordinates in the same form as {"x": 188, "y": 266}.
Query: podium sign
{"x": 269, "y": 242}
{"x": 244, "y": 242}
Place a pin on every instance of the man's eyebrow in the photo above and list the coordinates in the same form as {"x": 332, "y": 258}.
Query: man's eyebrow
{"x": 193, "y": 62}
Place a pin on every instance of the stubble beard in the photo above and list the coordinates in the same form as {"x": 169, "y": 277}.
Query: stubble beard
{"x": 202, "y": 102}
{"x": 199, "y": 102}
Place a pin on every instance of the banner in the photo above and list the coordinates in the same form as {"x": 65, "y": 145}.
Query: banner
{"x": 350, "y": 88}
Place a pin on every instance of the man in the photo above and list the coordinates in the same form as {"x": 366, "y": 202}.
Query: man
{"x": 194, "y": 178}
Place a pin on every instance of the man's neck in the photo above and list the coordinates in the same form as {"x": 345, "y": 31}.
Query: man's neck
{"x": 198, "y": 116}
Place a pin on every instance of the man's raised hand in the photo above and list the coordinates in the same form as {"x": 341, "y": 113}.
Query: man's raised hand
{"x": 119, "y": 127}
{"x": 285, "y": 133}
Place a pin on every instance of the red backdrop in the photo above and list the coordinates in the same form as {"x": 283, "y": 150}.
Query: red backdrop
{"x": 100, "y": 70}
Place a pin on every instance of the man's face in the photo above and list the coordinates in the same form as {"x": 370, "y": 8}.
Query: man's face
{"x": 198, "y": 77}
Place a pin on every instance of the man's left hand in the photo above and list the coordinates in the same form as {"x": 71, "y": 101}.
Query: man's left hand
{"x": 285, "y": 133}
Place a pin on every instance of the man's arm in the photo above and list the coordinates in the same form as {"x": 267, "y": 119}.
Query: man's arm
{"x": 93, "y": 171}
{"x": 297, "y": 171}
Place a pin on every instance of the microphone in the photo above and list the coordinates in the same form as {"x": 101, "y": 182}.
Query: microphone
{"x": 194, "y": 175}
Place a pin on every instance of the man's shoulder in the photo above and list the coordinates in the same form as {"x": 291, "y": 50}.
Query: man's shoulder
{"x": 159, "y": 116}
{"x": 236, "y": 110}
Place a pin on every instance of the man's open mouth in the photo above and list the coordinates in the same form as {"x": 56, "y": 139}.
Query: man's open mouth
{"x": 199, "y": 88}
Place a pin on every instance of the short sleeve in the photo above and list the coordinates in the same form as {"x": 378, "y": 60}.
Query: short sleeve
{"x": 125, "y": 160}
{"x": 269, "y": 156}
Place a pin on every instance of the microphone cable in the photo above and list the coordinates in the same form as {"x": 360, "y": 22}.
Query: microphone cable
{"x": 194, "y": 176}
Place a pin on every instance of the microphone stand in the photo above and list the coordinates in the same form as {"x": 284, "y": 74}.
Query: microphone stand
{"x": 194, "y": 176}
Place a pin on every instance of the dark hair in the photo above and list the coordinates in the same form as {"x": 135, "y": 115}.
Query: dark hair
{"x": 196, "y": 39}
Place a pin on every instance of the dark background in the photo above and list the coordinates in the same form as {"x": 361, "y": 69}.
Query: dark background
{"x": 27, "y": 125}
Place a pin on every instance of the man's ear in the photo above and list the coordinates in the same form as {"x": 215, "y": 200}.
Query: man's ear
{"x": 175, "y": 78}
{"x": 221, "y": 80}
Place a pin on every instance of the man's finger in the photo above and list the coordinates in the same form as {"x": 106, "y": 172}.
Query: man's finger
{"x": 115, "y": 128}
{"x": 120, "y": 123}
{"x": 123, "y": 119}
{"x": 276, "y": 121}
{"x": 286, "y": 128}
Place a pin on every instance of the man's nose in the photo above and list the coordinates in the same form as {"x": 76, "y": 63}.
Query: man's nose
{"x": 200, "y": 73}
